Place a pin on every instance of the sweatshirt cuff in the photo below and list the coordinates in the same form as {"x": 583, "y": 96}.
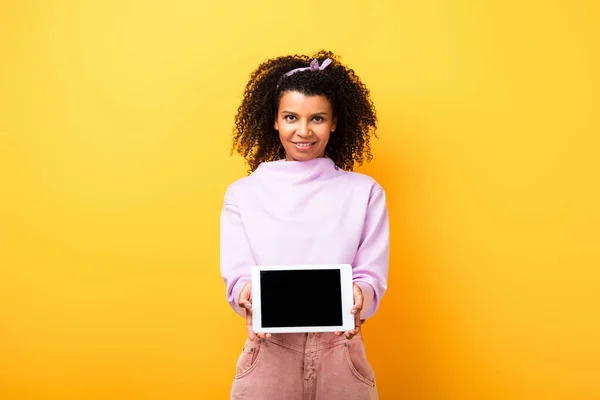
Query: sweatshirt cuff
{"x": 368, "y": 300}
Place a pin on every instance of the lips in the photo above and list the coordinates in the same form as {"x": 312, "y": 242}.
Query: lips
{"x": 304, "y": 145}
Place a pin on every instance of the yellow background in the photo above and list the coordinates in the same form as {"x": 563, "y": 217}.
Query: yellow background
{"x": 115, "y": 122}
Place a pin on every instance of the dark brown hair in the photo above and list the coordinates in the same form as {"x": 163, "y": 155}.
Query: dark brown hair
{"x": 256, "y": 139}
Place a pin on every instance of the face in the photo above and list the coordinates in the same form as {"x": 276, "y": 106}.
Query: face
{"x": 304, "y": 124}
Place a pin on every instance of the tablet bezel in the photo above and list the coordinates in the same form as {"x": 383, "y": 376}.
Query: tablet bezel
{"x": 347, "y": 299}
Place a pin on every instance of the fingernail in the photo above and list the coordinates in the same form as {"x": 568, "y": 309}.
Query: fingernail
{"x": 353, "y": 311}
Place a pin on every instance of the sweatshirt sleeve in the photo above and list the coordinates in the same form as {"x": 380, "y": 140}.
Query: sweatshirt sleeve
{"x": 236, "y": 256}
{"x": 370, "y": 266}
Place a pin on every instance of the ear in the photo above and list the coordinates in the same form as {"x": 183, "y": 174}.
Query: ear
{"x": 276, "y": 124}
{"x": 334, "y": 126}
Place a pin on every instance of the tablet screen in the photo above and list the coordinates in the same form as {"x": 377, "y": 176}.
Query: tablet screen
{"x": 311, "y": 297}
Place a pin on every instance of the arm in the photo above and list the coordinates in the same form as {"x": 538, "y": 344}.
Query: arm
{"x": 370, "y": 265}
{"x": 236, "y": 256}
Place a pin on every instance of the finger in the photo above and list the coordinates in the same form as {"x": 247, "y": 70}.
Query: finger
{"x": 358, "y": 299}
{"x": 251, "y": 334}
{"x": 339, "y": 333}
{"x": 245, "y": 308}
{"x": 353, "y": 332}
{"x": 356, "y": 308}
{"x": 350, "y": 334}
{"x": 357, "y": 322}
{"x": 263, "y": 335}
{"x": 246, "y": 305}
{"x": 245, "y": 295}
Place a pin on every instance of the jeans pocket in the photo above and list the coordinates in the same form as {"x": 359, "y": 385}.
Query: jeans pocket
{"x": 248, "y": 360}
{"x": 357, "y": 361}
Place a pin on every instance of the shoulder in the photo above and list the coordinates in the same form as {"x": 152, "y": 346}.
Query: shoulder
{"x": 362, "y": 181}
{"x": 234, "y": 190}
{"x": 239, "y": 188}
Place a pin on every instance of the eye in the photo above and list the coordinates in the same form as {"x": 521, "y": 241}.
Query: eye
{"x": 289, "y": 118}
{"x": 318, "y": 118}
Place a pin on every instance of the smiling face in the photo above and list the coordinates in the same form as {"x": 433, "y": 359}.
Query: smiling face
{"x": 304, "y": 124}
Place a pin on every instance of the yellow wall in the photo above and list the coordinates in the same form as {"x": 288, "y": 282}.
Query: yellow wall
{"x": 115, "y": 121}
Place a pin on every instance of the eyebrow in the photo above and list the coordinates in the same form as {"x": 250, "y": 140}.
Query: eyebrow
{"x": 291, "y": 112}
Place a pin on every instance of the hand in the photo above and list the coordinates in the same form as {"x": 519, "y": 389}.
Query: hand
{"x": 245, "y": 303}
{"x": 356, "y": 309}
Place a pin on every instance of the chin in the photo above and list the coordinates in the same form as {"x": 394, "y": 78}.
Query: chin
{"x": 304, "y": 156}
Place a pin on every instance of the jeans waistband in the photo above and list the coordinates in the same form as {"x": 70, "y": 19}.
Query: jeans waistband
{"x": 309, "y": 342}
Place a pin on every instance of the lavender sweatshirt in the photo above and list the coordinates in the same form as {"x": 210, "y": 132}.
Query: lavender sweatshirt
{"x": 306, "y": 212}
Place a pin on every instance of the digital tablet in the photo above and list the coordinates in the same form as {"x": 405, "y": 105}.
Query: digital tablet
{"x": 302, "y": 298}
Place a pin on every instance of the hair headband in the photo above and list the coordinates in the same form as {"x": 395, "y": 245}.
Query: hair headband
{"x": 314, "y": 66}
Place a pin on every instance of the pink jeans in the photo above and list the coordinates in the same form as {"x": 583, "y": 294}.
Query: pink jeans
{"x": 304, "y": 366}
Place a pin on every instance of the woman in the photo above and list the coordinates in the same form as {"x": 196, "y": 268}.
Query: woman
{"x": 301, "y": 126}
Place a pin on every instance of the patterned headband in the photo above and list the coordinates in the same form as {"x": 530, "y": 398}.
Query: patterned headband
{"x": 314, "y": 66}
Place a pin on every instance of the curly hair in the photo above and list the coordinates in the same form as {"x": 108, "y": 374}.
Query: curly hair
{"x": 255, "y": 137}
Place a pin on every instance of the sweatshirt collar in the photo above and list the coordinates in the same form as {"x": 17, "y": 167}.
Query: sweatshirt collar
{"x": 295, "y": 171}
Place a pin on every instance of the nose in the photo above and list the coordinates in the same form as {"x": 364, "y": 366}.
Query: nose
{"x": 303, "y": 130}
